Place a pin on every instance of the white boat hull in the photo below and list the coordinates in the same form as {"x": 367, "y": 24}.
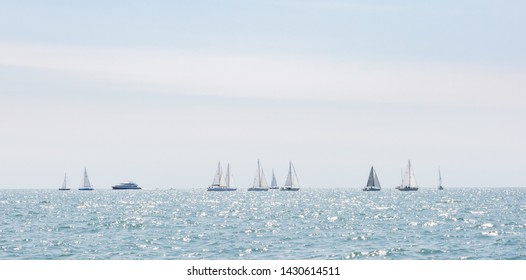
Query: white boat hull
{"x": 220, "y": 189}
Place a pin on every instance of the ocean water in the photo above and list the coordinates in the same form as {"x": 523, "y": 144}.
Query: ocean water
{"x": 470, "y": 223}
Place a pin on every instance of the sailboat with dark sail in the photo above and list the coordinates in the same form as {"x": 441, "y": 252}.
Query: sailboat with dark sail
{"x": 372, "y": 183}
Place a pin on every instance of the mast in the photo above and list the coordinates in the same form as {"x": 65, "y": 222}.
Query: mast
{"x": 259, "y": 175}
{"x": 409, "y": 171}
{"x": 439, "y": 178}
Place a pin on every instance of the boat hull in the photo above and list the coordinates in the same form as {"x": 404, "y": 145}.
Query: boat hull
{"x": 64, "y": 189}
{"x": 290, "y": 189}
{"x": 126, "y": 188}
{"x": 221, "y": 189}
{"x": 371, "y": 189}
{"x": 257, "y": 189}
{"x": 274, "y": 188}
{"x": 407, "y": 189}
{"x": 86, "y": 189}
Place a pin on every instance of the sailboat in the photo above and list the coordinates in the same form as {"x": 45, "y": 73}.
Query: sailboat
{"x": 86, "y": 185}
{"x": 372, "y": 183}
{"x": 408, "y": 180}
{"x": 274, "y": 183}
{"x": 292, "y": 183}
{"x": 223, "y": 183}
{"x": 440, "y": 187}
{"x": 64, "y": 185}
{"x": 260, "y": 183}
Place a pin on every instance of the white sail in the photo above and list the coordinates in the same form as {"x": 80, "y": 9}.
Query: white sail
{"x": 229, "y": 178}
{"x": 292, "y": 178}
{"x": 86, "y": 183}
{"x": 260, "y": 181}
{"x": 65, "y": 183}
{"x": 376, "y": 181}
{"x": 409, "y": 179}
{"x": 370, "y": 181}
{"x": 274, "y": 182}
{"x": 439, "y": 178}
{"x": 217, "y": 177}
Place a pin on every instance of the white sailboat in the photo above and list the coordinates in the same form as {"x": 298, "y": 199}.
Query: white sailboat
{"x": 440, "y": 187}
{"x": 274, "y": 183}
{"x": 292, "y": 183}
{"x": 372, "y": 183}
{"x": 64, "y": 185}
{"x": 408, "y": 180}
{"x": 260, "y": 183}
{"x": 223, "y": 183}
{"x": 86, "y": 185}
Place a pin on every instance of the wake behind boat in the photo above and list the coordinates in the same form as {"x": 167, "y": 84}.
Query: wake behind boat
{"x": 86, "y": 185}
{"x": 408, "y": 180}
{"x": 372, "y": 183}
{"x": 126, "y": 186}
{"x": 292, "y": 183}
{"x": 260, "y": 182}
{"x": 221, "y": 183}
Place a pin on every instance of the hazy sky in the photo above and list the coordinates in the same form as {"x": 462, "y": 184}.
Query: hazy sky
{"x": 160, "y": 91}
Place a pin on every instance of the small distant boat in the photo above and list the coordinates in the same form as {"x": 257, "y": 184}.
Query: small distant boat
{"x": 221, "y": 183}
{"x": 260, "y": 183}
{"x": 372, "y": 183}
{"x": 440, "y": 187}
{"x": 126, "y": 186}
{"x": 64, "y": 185}
{"x": 292, "y": 183}
{"x": 274, "y": 183}
{"x": 408, "y": 180}
{"x": 86, "y": 185}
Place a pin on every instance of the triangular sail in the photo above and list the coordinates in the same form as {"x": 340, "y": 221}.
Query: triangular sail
{"x": 229, "y": 178}
{"x": 376, "y": 181}
{"x": 439, "y": 178}
{"x": 217, "y": 177}
{"x": 409, "y": 179}
{"x": 370, "y": 181}
{"x": 260, "y": 181}
{"x": 274, "y": 182}
{"x": 86, "y": 183}
{"x": 292, "y": 177}
{"x": 64, "y": 184}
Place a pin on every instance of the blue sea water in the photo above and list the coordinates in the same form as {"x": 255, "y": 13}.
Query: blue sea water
{"x": 470, "y": 223}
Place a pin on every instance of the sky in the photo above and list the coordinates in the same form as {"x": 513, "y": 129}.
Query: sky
{"x": 159, "y": 92}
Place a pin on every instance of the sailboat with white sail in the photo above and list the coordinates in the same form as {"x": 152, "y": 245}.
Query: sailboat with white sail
{"x": 86, "y": 185}
{"x": 223, "y": 183}
{"x": 64, "y": 185}
{"x": 408, "y": 180}
{"x": 372, "y": 183}
{"x": 440, "y": 187}
{"x": 292, "y": 183}
{"x": 274, "y": 183}
{"x": 260, "y": 182}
